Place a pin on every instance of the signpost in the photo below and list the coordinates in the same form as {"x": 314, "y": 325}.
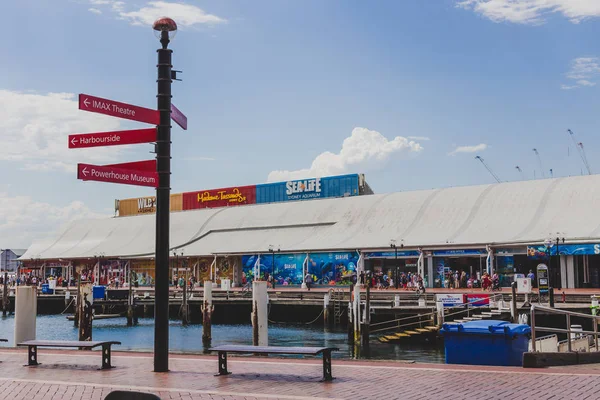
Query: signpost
{"x": 178, "y": 117}
{"x": 115, "y": 138}
{"x": 153, "y": 173}
{"x": 117, "y": 109}
{"x": 89, "y": 172}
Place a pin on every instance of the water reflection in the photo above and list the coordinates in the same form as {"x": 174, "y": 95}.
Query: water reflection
{"x": 189, "y": 338}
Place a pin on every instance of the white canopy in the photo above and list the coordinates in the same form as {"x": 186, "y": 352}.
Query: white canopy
{"x": 496, "y": 214}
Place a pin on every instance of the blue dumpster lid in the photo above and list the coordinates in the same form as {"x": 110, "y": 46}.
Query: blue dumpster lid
{"x": 487, "y": 327}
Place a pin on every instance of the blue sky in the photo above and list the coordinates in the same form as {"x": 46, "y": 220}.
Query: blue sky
{"x": 407, "y": 92}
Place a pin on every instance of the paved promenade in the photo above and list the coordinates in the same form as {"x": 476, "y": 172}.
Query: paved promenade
{"x": 74, "y": 375}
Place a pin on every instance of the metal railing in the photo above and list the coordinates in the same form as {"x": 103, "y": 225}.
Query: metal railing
{"x": 568, "y": 331}
{"x": 395, "y": 323}
{"x": 471, "y": 305}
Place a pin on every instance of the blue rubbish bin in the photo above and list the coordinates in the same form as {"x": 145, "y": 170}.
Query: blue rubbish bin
{"x": 98, "y": 292}
{"x": 46, "y": 289}
{"x": 486, "y": 342}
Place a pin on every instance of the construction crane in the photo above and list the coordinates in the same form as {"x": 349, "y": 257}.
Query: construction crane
{"x": 581, "y": 151}
{"x": 521, "y": 172}
{"x": 539, "y": 162}
{"x": 489, "y": 169}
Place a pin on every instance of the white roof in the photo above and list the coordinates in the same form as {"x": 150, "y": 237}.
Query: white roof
{"x": 504, "y": 213}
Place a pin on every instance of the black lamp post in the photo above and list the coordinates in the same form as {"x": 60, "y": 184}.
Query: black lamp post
{"x": 395, "y": 247}
{"x": 272, "y": 251}
{"x": 166, "y": 27}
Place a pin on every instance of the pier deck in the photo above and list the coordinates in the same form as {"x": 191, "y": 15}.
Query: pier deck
{"x": 67, "y": 375}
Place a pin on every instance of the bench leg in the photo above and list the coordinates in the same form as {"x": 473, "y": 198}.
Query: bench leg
{"x": 106, "y": 357}
{"x": 327, "y": 366}
{"x": 32, "y": 356}
{"x": 223, "y": 364}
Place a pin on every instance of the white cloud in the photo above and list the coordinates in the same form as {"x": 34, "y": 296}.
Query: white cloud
{"x": 94, "y": 10}
{"x": 468, "y": 149}
{"x": 23, "y": 219}
{"x": 185, "y": 15}
{"x": 532, "y": 12}
{"x": 423, "y": 138}
{"x": 363, "y": 149}
{"x": 34, "y": 129}
{"x": 584, "y": 70}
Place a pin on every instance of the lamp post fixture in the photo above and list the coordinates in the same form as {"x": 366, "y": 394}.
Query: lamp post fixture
{"x": 395, "y": 247}
{"x": 548, "y": 242}
{"x": 272, "y": 251}
{"x": 166, "y": 28}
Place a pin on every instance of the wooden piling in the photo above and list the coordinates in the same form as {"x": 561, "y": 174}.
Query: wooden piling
{"x": 207, "y": 310}
{"x": 5, "y": 303}
{"x": 85, "y": 312}
{"x": 77, "y": 300}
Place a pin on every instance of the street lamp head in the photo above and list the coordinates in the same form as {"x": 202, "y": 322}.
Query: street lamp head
{"x": 548, "y": 242}
{"x": 165, "y": 24}
{"x": 393, "y": 243}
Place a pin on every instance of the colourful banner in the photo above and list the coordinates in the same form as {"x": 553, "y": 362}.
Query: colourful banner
{"x": 541, "y": 252}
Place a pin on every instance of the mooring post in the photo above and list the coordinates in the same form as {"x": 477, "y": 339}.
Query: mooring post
{"x": 357, "y": 316}
{"x": 130, "y": 302}
{"x": 85, "y": 312}
{"x": 5, "y": 295}
{"x": 207, "y": 309}
{"x": 366, "y": 330}
{"x": 513, "y": 309}
{"x": 326, "y": 309}
{"x": 184, "y": 304}
{"x": 25, "y": 313}
{"x": 260, "y": 327}
{"x": 77, "y": 301}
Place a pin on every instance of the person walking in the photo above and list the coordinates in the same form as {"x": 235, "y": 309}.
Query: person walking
{"x": 308, "y": 281}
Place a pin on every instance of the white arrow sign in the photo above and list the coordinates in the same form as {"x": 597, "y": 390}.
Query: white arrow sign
{"x": 74, "y": 141}
{"x": 84, "y": 172}
{"x": 86, "y": 102}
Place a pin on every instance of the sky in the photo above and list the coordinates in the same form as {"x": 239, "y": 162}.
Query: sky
{"x": 407, "y": 92}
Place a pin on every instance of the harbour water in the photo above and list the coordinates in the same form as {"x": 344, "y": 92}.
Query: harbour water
{"x": 188, "y": 339}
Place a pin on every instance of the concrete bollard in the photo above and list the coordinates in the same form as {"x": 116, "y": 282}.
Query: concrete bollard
{"x": 326, "y": 309}
{"x": 594, "y": 305}
{"x": 207, "y": 310}
{"x": 396, "y": 301}
{"x": 260, "y": 327}
{"x": 440, "y": 312}
{"x": 25, "y": 313}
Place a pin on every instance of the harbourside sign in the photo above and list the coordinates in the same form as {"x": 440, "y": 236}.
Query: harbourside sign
{"x": 178, "y": 117}
{"x": 115, "y": 138}
{"x": 118, "y": 109}
{"x": 88, "y": 172}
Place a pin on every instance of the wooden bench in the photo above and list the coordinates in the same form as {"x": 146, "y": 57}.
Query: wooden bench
{"x": 309, "y": 351}
{"x": 32, "y": 346}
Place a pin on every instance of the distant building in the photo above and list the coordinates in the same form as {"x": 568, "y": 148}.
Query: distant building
{"x": 8, "y": 259}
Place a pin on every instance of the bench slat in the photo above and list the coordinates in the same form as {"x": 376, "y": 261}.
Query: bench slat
{"x": 65, "y": 343}
{"x": 272, "y": 349}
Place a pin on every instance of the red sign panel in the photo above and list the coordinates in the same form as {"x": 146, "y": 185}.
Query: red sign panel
{"x": 233, "y": 196}
{"x": 149, "y": 165}
{"x": 117, "y": 109}
{"x": 478, "y": 300}
{"x": 87, "y": 172}
{"x": 178, "y": 117}
{"x": 112, "y": 138}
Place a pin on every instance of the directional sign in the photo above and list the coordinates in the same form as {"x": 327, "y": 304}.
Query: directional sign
{"x": 100, "y": 173}
{"x": 178, "y": 117}
{"x": 149, "y": 165}
{"x": 112, "y": 138}
{"x": 116, "y": 109}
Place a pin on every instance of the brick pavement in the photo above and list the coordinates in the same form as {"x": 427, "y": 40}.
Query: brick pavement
{"x": 73, "y": 375}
